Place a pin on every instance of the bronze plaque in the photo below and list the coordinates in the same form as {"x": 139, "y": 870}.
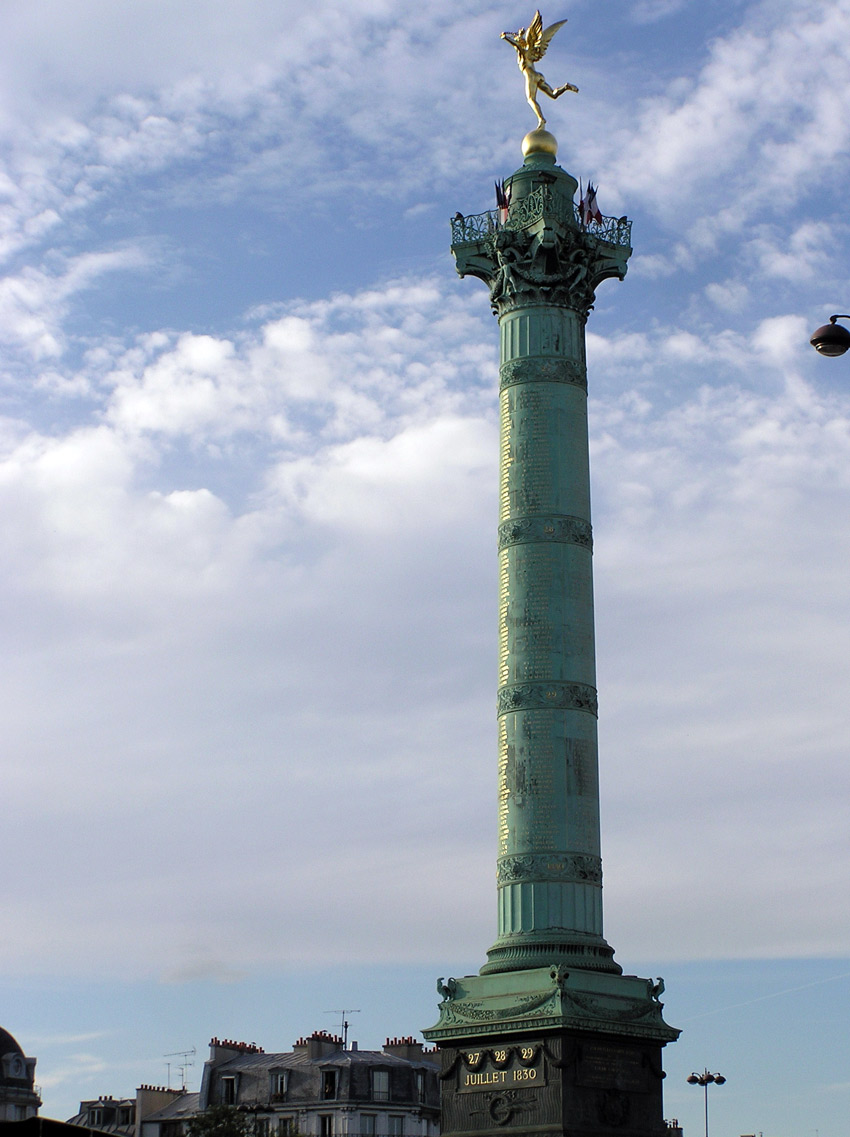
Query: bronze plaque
{"x": 511, "y": 1068}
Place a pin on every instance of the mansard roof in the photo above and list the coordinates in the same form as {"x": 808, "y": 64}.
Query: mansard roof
{"x": 289, "y": 1058}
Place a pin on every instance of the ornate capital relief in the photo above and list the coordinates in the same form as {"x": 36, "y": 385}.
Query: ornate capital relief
{"x": 553, "y": 265}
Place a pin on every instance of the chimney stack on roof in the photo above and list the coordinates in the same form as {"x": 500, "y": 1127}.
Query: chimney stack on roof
{"x": 407, "y": 1047}
{"x": 319, "y": 1044}
{"x": 218, "y": 1045}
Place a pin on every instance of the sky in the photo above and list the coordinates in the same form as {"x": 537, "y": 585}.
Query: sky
{"x": 248, "y": 457}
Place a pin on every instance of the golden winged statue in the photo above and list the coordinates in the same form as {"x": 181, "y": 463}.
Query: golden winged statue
{"x": 531, "y": 44}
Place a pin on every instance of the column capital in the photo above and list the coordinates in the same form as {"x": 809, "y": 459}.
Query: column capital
{"x": 541, "y": 255}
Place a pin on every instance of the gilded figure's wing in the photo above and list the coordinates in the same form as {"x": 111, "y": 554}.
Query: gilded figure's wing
{"x": 535, "y": 31}
{"x": 539, "y": 39}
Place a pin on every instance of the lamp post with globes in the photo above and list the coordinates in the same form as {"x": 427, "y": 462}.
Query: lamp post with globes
{"x": 831, "y": 338}
{"x": 706, "y": 1079}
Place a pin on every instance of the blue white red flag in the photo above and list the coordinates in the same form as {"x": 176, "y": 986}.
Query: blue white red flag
{"x": 503, "y": 200}
{"x": 588, "y": 209}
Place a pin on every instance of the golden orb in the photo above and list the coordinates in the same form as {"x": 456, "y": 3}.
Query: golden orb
{"x": 539, "y": 142}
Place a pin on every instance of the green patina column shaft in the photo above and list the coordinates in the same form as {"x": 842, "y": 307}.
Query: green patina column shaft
{"x": 542, "y": 267}
{"x": 549, "y": 865}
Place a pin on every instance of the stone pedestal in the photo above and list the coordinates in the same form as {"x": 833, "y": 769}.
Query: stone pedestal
{"x": 552, "y": 1052}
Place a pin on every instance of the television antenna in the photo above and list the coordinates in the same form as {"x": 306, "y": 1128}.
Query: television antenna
{"x": 345, "y": 1023}
{"x": 181, "y": 1066}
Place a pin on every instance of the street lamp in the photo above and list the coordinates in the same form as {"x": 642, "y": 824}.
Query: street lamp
{"x": 705, "y": 1079}
{"x": 831, "y": 338}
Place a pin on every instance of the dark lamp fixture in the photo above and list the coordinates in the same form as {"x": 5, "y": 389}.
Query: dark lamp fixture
{"x": 706, "y": 1079}
{"x": 831, "y": 338}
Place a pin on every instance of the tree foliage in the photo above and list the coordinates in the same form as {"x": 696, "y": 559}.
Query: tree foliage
{"x": 222, "y": 1121}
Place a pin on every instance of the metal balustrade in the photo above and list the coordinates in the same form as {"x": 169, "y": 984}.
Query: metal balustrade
{"x": 539, "y": 203}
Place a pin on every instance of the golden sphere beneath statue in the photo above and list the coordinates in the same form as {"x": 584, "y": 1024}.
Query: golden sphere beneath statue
{"x": 539, "y": 142}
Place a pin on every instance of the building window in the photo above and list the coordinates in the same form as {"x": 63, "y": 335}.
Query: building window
{"x": 286, "y": 1127}
{"x": 367, "y": 1124}
{"x": 420, "y": 1085}
{"x": 395, "y": 1126}
{"x": 326, "y": 1125}
{"x": 279, "y": 1080}
{"x": 228, "y": 1091}
{"x": 95, "y": 1117}
{"x": 262, "y": 1129}
{"x": 380, "y": 1085}
{"x": 328, "y": 1084}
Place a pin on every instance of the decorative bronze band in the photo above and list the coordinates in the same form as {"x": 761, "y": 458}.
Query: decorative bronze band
{"x": 562, "y": 529}
{"x": 572, "y": 868}
{"x": 551, "y": 695}
{"x": 543, "y": 369}
{"x": 461, "y": 1010}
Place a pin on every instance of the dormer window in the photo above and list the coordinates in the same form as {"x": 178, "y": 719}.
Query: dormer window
{"x": 279, "y": 1084}
{"x": 228, "y": 1091}
{"x": 328, "y": 1085}
{"x": 380, "y": 1085}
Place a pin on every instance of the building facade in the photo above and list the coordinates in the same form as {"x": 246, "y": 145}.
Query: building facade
{"x": 19, "y": 1096}
{"x": 317, "y": 1089}
{"x": 108, "y": 1114}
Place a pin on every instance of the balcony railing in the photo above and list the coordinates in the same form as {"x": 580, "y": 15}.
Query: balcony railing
{"x": 527, "y": 210}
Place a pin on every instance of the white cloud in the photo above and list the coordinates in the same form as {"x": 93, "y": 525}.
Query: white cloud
{"x": 797, "y": 256}
{"x": 730, "y": 295}
{"x": 34, "y": 304}
{"x": 650, "y": 11}
{"x": 270, "y": 103}
{"x": 82, "y": 1066}
{"x": 326, "y": 370}
{"x": 423, "y": 472}
{"x": 358, "y": 574}
{"x": 716, "y": 646}
{"x": 759, "y": 128}
{"x": 781, "y": 339}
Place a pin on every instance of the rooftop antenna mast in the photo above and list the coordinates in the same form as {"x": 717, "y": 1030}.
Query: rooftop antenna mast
{"x": 181, "y": 1066}
{"x": 345, "y": 1023}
